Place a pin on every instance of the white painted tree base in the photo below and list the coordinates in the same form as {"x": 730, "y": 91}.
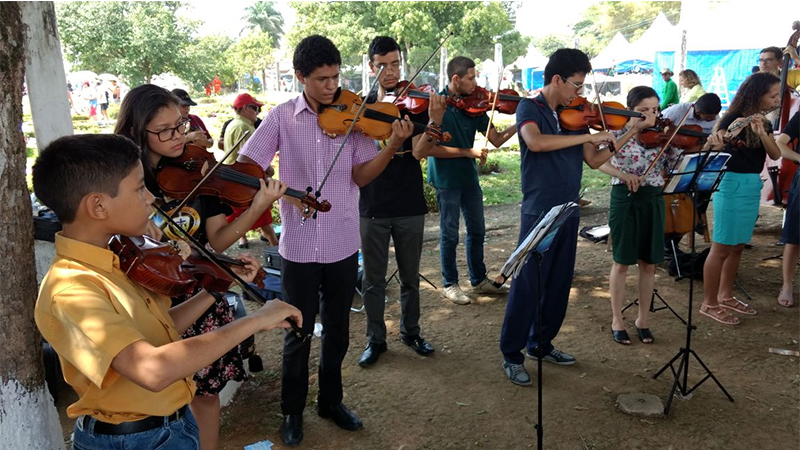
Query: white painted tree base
{"x": 28, "y": 420}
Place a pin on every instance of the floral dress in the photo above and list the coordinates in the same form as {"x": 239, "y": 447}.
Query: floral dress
{"x": 230, "y": 367}
{"x": 634, "y": 158}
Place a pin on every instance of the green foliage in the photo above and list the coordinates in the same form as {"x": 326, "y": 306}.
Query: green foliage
{"x": 208, "y": 57}
{"x": 135, "y": 40}
{"x": 417, "y": 26}
{"x": 548, "y": 45}
{"x": 252, "y": 54}
{"x": 603, "y": 20}
{"x": 263, "y": 16}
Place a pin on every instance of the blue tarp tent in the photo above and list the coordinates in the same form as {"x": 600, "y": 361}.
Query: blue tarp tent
{"x": 533, "y": 78}
{"x": 720, "y": 71}
{"x": 634, "y": 66}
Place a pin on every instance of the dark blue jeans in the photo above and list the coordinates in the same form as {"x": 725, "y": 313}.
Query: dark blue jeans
{"x": 181, "y": 434}
{"x": 557, "y": 267}
{"x": 468, "y": 201}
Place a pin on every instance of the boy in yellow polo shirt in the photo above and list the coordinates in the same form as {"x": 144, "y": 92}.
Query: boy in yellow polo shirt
{"x": 119, "y": 344}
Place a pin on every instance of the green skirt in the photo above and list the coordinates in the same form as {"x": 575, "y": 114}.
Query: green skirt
{"x": 637, "y": 225}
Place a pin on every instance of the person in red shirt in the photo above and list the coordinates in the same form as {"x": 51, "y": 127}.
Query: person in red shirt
{"x": 217, "y": 85}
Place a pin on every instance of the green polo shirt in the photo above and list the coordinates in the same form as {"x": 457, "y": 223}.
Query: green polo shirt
{"x": 457, "y": 172}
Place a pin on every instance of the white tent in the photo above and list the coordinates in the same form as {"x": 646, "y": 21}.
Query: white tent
{"x": 617, "y": 50}
{"x": 660, "y": 36}
{"x": 533, "y": 58}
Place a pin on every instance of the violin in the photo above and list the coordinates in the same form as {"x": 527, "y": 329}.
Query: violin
{"x": 154, "y": 265}
{"x": 375, "y": 122}
{"x": 408, "y": 97}
{"x": 159, "y": 267}
{"x": 234, "y": 184}
{"x": 688, "y": 136}
{"x": 481, "y": 100}
{"x": 581, "y": 113}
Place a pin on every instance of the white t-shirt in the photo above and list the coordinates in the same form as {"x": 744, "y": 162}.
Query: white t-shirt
{"x": 675, "y": 113}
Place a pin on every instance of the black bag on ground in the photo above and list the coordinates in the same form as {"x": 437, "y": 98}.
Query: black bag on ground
{"x": 595, "y": 233}
{"x": 689, "y": 266}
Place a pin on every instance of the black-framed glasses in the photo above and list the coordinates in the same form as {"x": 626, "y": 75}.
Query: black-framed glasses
{"x": 168, "y": 134}
{"x": 577, "y": 87}
{"x": 255, "y": 108}
{"x": 766, "y": 60}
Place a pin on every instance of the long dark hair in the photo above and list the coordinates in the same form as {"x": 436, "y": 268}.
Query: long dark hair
{"x": 748, "y": 98}
{"x": 138, "y": 108}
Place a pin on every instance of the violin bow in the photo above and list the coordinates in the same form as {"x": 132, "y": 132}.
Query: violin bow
{"x": 361, "y": 109}
{"x": 210, "y": 256}
{"x": 208, "y": 174}
{"x": 599, "y": 103}
{"x": 666, "y": 144}
{"x": 419, "y": 70}
{"x": 491, "y": 116}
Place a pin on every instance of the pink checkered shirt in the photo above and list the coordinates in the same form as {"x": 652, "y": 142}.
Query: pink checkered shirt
{"x": 306, "y": 154}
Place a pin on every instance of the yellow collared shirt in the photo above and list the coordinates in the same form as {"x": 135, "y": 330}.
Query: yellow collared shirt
{"x": 89, "y": 310}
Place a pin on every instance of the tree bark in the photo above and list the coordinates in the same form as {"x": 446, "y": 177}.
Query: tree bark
{"x": 44, "y": 69}
{"x": 26, "y": 411}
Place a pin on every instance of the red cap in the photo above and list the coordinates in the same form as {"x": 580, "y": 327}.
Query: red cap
{"x": 245, "y": 99}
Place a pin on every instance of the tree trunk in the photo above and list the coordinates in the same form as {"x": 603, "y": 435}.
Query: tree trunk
{"x": 28, "y": 418}
{"x": 44, "y": 68}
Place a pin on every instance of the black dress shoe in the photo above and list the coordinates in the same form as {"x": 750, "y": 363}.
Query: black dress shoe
{"x": 371, "y": 354}
{"x": 292, "y": 429}
{"x": 420, "y": 345}
{"x": 341, "y": 416}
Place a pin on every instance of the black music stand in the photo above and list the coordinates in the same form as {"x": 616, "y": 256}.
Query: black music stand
{"x": 698, "y": 172}
{"x": 535, "y": 244}
{"x": 652, "y": 305}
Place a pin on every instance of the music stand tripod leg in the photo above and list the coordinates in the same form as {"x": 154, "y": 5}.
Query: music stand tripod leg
{"x": 682, "y": 374}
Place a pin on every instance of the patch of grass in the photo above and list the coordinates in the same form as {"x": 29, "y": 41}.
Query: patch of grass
{"x": 502, "y": 186}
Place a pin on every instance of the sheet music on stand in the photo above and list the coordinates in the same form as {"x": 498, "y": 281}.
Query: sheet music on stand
{"x": 539, "y": 238}
{"x": 685, "y": 170}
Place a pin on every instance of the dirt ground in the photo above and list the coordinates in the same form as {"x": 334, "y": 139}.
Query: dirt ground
{"x": 460, "y": 398}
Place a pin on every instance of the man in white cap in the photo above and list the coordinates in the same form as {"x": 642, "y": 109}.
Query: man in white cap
{"x": 669, "y": 95}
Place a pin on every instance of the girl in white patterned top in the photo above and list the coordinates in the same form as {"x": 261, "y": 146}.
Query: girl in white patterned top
{"x": 636, "y": 214}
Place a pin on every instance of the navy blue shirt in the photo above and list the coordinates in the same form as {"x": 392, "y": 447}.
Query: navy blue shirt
{"x": 548, "y": 178}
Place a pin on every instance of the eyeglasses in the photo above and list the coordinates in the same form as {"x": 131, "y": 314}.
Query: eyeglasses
{"x": 766, "y": 60}
{"x": 168, "y": 134}
{"x": 577, "y": 87}
{"x": 255, "y": 108}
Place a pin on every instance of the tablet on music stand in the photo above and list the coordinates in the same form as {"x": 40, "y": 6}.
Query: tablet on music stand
{"x": 712, "y": 166}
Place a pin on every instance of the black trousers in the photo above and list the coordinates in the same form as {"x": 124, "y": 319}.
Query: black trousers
{"x": 329, "y": 290}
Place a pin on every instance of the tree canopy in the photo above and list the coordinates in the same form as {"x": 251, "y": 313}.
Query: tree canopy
{"x": 262, "y": 15}
{"x": 603, "y": 20}
{"x": 135, "y": 40}
{"x": 417, "y": 26}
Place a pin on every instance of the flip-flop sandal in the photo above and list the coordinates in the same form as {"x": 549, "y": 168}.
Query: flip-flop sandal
{"x": 621, "y": 337}
{"x": 739, "y": 307}
{"x": 644, "y": 333}
{"x": 786, "y": 299}
{"x": 720, "y": 315}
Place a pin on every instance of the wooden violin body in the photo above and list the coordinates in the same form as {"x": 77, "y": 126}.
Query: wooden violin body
{"x": 375, "y": 122}
{"x": 408, "y": 97}
{"x": 154, "y": 265}
{"x": 234, "y": 184}
{"x": 481, "y": 100}
{"x": 688, "y": 136}
{"x": 581, "y": 113}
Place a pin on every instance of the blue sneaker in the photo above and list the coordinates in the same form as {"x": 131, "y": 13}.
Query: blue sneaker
{"x": 556, "y": 357}
{"x": 517, "y": 374}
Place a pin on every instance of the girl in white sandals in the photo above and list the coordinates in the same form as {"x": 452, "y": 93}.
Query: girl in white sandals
{"x": 747, "y": 136}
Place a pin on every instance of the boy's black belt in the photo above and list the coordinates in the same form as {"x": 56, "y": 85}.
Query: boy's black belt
{"x": 137, "y": 426}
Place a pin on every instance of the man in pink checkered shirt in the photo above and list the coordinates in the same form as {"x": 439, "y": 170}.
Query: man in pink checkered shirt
{"x": 320, "y": 256}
